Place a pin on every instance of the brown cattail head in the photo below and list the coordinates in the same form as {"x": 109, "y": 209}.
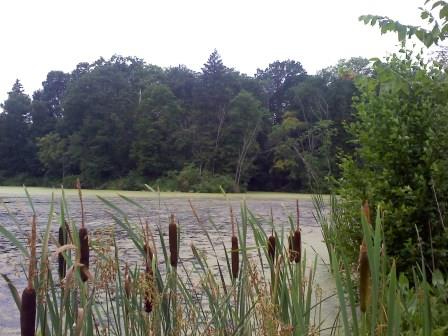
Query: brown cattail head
{"x": 28, "y": 312}
{"x": 172, "y": 236}
{"x": 235, "y": 257}
{"x": 364, "y": 278}
{"x": 291, "y": 248}
{"x": 297, "y": 245}
{"x": 271, "y": 247}
{"x": 62, "y": 238}
{"x": 148, "y": 294}
{"x": 84, "y": 253}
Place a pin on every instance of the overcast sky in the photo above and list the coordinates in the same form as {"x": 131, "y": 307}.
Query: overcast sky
{"x": 40, "y": 36}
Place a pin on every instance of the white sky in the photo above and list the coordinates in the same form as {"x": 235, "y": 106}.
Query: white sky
{"x": 40, "y": 36}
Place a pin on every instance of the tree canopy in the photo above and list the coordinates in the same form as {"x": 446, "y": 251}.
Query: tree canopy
{"x": 124, "y": 120}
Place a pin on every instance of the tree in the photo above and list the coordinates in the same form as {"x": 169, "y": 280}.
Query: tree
{"x": 16, "y": 147}
{"x": 159, "y": 145}
{"x": 278, "y": 78}
{"x": 218, "y": 85}
{"x": 53, "y": 154}
{"x": 240, "y": 134}
{"x": 99, "y": 114}
{"x": 47, "y": 103}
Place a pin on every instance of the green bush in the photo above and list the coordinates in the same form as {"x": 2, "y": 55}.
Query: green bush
{"x": 191, "y": 179}
{"x": 401, "y": 134}
{"x": 133, "y": 181}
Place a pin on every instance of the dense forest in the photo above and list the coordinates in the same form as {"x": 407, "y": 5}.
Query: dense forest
{"x": 120, "y": 123}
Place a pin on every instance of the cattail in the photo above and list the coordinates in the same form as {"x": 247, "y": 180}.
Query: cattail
{"x": 271, "y": 247}
{"x": 28, "y": 307}
{"x": 28, "y": 312}
{"x": 297, "y": 237}
{"x": 62, "y": 267}
{"x": 84, "y": 247}
{"x": 148, "y": 296}
{"x": 290, "y": 248}
{"x": 172, "y": 237}
{"x": 297, "y": 245}
{"x": 364, "y": 275}
{"x": 235, "y": 257}
{"x": 83, "y": 239}
{"x": 234, "y": 251}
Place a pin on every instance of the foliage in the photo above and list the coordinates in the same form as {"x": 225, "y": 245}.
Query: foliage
{"x": 108, "y": 119}
{"x": 16, "y": 147}
{"x": 395, "y": 307}
{"x": 191, "y": 179}
{"x": 400, "y": 133}
{"x": 437, "y": 24}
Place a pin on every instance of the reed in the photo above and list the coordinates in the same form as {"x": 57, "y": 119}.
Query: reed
{"x": 269, "y": 299}
{"x": 62, "y": 240}
{"x": 173, "y": 243}
{"x": 148, "y": 289}
{"x": 271, "y": 247}
{"x": 235, "y": 248}
{"x": 83, "y": 236}
{"x": 364, "y": 278}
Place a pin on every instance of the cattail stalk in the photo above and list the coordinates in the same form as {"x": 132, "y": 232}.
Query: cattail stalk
{"x": 84, "y": 255}
{"x": 297, "y": 245}
{"x": 290, "y": 248}
{"x": 148, "y": 296}
{"x": 62, "y": 238}
{"x": 172, "y": 237}
{"x": 364, "y": 278}
{"x": 271, "y": 241}
{"x": 234, "y": 252}
{"x": 295, "y": 240}
{"x": 271, "y": 247}
{"x": 83, "y": 240}
{"x": 28, "y": 307}
{"x": 148, "y": 277}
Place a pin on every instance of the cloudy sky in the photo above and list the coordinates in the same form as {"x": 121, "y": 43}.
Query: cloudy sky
{"x": 40, "y": 36}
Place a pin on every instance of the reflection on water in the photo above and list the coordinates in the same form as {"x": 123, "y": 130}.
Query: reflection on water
{"x": 98, "y": 218}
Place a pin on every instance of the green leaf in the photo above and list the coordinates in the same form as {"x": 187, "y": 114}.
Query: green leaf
{"x": 402, "y": 33}
{"x": 443, "y": 14}
{"x": 12, "y": 238}
{"x": 13, "y": 290}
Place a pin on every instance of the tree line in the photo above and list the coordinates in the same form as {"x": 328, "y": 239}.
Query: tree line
{"x": 122, "y": 122}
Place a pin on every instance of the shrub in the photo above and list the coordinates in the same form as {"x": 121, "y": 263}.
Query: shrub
{"x": 191, "y": 179}
{"x": 400, "y": 160}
